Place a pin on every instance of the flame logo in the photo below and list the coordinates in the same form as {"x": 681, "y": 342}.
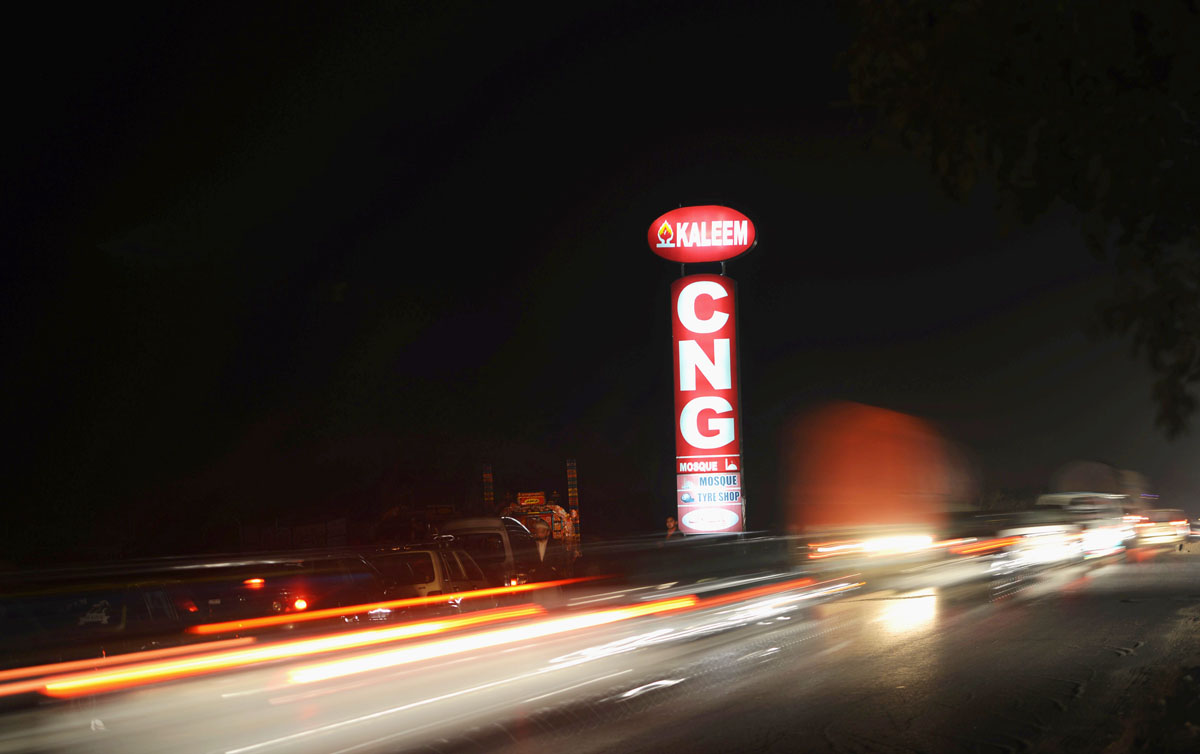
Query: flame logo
{"x": 665, "y": 234}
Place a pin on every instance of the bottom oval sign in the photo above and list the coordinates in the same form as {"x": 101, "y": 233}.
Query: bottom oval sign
{"x": 710, "y": 519}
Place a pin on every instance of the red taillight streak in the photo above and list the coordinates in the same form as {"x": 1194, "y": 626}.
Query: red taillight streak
{"x": 333, "y": 612}
{"x": 153, "y": 672}
{"x": 105, "y": 662}
{"x": 136, "y": 674}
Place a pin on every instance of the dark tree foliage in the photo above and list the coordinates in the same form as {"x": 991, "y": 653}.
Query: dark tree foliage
{"x": 1094, "y": 106}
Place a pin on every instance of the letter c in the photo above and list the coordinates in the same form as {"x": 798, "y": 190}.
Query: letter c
{"x": 686, "y": 308}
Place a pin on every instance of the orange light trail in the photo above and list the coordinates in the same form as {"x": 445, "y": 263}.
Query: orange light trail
{"x": 749, "y": 594}
{"x": 493, "y": 638}
{"x": 987, "y": 545}
{"x": 335, "y": 612}
{"x": 152, "y": 672}
{"x": 119, "y": 659}
{"x": 135, "y": 670}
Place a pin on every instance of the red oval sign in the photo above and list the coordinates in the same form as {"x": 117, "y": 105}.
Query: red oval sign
{"x": 701, "y": 234}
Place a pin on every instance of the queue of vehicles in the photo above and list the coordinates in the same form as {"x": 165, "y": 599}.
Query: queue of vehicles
{"x": 65, "y": 615}
{"x": 68, "y": 614}
{"x": 1058, "y": 529}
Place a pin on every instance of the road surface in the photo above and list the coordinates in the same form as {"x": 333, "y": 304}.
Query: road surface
{"x": 1090, "y": 657}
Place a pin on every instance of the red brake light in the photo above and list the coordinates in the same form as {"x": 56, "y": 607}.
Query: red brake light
{"x": 254, "y": 583}
{"x": 300, "y": 603}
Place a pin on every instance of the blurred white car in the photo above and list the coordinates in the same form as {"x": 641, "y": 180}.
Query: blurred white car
{"x": 1163, "y": 526}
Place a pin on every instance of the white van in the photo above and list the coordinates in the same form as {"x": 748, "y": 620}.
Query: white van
{"x": 502, "y": 546}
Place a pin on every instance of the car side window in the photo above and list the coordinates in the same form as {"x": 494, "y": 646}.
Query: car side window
{"x": 160, "y": 606}
{"x": 469, "y": 565}
{"x": 451, "y": 567}
{"x": 325, "y": 575}
{"x": 524, "y": 549}
{"x": 361, "y": 575}
{"x": 410, "y": 568}
{"x": 398, "y": 570}
{"x": 107, "y": 612}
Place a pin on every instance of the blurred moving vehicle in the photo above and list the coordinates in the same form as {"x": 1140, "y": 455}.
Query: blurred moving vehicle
{"x": 63, "y": 616}
{"x": 1105, "y": 528}
{"x": 502, "y": 547}
{"x": 278, "y": 586}
{"x": 1041, "y": 538}
{"x": 869, "y": 487}
{"x": 1161, "y": 526}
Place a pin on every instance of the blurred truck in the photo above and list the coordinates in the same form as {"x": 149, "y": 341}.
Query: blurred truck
{"x": 867, "y": 486}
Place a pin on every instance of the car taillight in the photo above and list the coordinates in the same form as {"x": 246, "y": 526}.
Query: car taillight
{"x": 188, "y": 605}
{"x": 254, "y": 583}
{"x": 300, "y": 603}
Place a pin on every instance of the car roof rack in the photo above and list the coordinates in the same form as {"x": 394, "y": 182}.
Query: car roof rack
{"x": 440, "y": 542}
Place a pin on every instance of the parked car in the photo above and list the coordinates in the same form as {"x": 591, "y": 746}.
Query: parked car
{"x": 424, "y": 570}
{"x": 502, "y": 546}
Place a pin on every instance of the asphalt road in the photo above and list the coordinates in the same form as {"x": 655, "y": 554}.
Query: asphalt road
{"x": 1084, "y": 658}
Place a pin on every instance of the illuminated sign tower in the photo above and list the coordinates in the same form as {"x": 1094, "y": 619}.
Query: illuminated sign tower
{"x": 708, "y": 447}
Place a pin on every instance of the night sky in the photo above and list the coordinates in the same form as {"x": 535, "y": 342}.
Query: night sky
{"x": 290, "y": 264}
